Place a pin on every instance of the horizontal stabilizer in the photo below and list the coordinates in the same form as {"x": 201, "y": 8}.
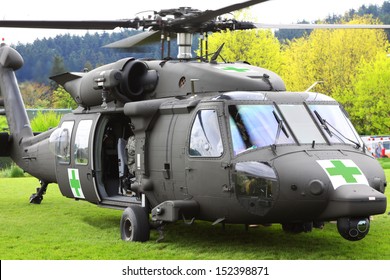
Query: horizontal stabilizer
{"x": 66, "y": 77}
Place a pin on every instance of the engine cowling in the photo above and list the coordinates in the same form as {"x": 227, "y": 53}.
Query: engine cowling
{"x": 124, "y": 81}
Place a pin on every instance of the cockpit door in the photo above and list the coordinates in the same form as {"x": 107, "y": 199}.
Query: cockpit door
{"x": 207, "y": 164}
{"x": 74, "y": 158}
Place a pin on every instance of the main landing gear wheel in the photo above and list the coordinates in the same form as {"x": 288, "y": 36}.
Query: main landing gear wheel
{"x": 135, "y": 224}
{"x": 297, "y": 227}
{"x": 36, "y": 199}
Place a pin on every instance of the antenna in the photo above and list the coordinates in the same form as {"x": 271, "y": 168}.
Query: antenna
{"x": 216, "y": 54}
{"x": 313, "y": 85}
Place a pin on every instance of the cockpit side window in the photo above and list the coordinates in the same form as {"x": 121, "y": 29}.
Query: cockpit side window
{"x": 205, "y": 139}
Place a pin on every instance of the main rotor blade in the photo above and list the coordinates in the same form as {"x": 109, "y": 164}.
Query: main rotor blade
{"x": 60, "y": 24}
{"x": 141, "y": 38}
{"x": 126, "y": 23}
{"x": 210, "y": 14}
{"x": 321, "y": 26}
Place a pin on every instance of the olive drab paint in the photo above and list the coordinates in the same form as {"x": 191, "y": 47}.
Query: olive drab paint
{"x": 185, "y": 139}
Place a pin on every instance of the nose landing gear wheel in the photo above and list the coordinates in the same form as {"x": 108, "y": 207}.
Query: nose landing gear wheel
{"x": 135, "y": 224}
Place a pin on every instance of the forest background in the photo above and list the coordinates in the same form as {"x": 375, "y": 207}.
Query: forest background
{"x": 352, "y": 66}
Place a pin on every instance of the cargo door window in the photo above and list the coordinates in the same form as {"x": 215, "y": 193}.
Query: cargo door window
{"x": 81, "y": 141}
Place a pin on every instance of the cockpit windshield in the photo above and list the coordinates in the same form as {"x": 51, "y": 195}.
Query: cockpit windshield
{"x": 301, "y": 123}
{"x": 256, "y": 126}
{"x": 260, "y": 125}
{"x": 336, "y": 125}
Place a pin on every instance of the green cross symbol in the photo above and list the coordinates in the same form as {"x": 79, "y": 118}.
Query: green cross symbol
{"x": 75, "y": 183}
{"x": 231, "y": 68}
{"x": 342, "y": 170}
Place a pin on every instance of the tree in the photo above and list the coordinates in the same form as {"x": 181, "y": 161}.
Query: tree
{"x": 331, "y": 56}
{"x": 285, "y": 35}
{"x": 45, "y": 121}
{"x": 58, "y": 65}
{"x": 62, "y": 99}
{"x": 35, "y": 95}
{"x": 88, "y": 66}
{"x": 367, "y": 101}
{"x": 258, "y": 47}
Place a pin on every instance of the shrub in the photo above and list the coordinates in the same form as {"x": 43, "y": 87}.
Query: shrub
{"x": 3, "y": 124}
{"x": 13, "y": 171}
{"x": 385, "y": 162}
{"x": 44, "y": 121}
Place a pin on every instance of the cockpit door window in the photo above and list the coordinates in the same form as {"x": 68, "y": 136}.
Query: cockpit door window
{"x": 206, "y": 140}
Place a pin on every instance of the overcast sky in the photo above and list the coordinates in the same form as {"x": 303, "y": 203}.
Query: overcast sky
{"x": 274, "y": 11}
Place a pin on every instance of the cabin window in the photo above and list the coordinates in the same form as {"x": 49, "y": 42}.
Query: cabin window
{"x": 206, "y": 140}
{"x": 59, "y": 142}
{"x": 256, "y": 126}
{"x": 81, "y": 142}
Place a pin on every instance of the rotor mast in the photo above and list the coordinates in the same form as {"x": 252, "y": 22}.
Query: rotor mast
{"x": 184, "y": 43}
{"x": 184, "y": 21}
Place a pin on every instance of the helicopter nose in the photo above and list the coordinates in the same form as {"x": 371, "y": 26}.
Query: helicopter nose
{"x": 351, "y": 195}
{"x": 303, "y": 187}
{"x": 354, "y": 200}
{"x": 327, "y": 186}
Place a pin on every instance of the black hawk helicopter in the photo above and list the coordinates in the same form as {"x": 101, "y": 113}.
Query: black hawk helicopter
{"x": 189, "y": 139}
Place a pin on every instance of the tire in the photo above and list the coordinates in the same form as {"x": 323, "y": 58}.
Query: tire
{"x": 297, "y": 227}
{"x": 135, "y": 224}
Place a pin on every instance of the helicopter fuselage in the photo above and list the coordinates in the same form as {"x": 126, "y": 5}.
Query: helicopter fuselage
{"x": 247, "y": 152}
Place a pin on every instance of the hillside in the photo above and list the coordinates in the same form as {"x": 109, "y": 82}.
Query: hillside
{"x": 47, "y": 57}
{"x": 382, "y": 13}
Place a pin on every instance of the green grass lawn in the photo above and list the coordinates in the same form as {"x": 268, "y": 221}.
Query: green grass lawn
{"x": 62, "y": 228}
{"x": 385, "y": 162}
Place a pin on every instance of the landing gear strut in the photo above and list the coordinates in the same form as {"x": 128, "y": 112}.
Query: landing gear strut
{"x": 36, "y": 198}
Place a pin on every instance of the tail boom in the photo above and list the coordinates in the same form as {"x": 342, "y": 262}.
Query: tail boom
{"x": 29, "y": 152}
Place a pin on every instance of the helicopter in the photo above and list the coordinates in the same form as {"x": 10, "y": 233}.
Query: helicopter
{"x": 194, "y": 139}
